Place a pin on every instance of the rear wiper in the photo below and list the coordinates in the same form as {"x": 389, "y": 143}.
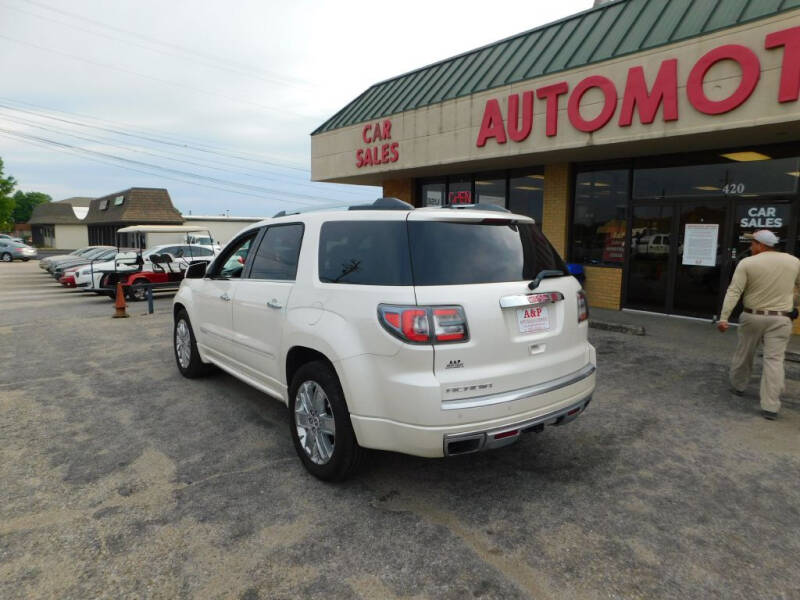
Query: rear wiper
{"x": 544, "y": 275}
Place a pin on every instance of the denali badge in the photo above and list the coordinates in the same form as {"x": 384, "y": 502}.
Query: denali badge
{"x": 454, "y": 364}
{"x": 469, "y": 388}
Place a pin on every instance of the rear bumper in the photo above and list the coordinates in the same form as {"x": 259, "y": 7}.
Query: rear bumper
{"x": 500, "y": 424}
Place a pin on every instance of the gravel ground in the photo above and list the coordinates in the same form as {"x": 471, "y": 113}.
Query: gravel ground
{"x": 120, "y": 479}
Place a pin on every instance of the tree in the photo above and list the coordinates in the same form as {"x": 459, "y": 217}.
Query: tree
{"x": 25, "y": 202}
{"x": 6, "y": 200}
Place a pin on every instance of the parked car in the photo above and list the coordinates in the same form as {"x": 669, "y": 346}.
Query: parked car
{"x": 45, "y": 262}
{"x": 104, "y": 253}
{"x": 10, "y": 250}
{"x": 6, "y": 237}
{"x": 432, "y": 331}
{"x": 90, "y": 276}
{"x": 67, "y": 279}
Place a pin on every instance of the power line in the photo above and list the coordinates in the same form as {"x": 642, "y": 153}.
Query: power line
{"x": 158, "y": 79}
{"x": 150, "y": 138}
{"x": 167, "y": 170}
{"x": 225, "y": 63}
{"x": 140, "y": 150}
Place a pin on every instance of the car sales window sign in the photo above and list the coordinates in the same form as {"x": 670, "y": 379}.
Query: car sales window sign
{"x": 700, "y": 244}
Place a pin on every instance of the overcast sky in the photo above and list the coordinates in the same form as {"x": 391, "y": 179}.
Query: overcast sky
{"x": 214, "y": 101}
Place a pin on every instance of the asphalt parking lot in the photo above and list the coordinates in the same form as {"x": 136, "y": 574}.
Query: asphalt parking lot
{"x": 121, "y": 479}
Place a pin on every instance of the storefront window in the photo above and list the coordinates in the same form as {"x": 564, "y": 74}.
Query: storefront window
{"x": 490, "y": 190}
{"x": 459, "y": 190}
{"x": 432, "y": 194}
{"x": 526, "y": 194}
{"x": 599, "y": 220}
{"x": 737, "y": 179}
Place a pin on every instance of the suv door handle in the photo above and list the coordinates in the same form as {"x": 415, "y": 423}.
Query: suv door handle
{"x": 225, "y": 297}
{"x": 274, "y": 304}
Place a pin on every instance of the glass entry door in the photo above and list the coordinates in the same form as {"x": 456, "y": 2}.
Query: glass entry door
{"x": 701, "y": 256}
{"x": 678, "y": 256}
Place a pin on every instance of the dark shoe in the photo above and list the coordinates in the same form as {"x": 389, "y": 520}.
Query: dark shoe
{"x": 768, "y": 414}
{"x": 736, "y": 392}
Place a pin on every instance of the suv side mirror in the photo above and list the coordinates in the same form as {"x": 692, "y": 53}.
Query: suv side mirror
{"x": 196, "y": 270}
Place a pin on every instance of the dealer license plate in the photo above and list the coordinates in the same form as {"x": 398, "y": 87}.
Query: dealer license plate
{"x": 533, "y": 318}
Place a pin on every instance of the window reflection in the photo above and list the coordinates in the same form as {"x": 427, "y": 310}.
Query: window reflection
{"x": 526, "y": 196}
{"x": 599, "y": 223}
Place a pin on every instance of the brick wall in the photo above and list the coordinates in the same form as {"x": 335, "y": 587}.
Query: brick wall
{"x": 603, "y": 287}
{"x": 399, "y": 188}
{"x": 555, "y": 212}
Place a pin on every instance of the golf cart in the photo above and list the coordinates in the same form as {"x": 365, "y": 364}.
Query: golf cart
{"x": 163, "y": 265}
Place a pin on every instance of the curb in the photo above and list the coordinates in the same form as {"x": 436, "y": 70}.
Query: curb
{"x": 622, "y": 328}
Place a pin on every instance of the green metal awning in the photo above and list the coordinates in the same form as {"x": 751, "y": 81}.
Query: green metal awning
{"x": 608, "y": 31}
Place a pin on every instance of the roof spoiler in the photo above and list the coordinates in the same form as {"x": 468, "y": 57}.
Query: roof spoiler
{"x": 384, "y": 204}
{"x": 478, "y": 206}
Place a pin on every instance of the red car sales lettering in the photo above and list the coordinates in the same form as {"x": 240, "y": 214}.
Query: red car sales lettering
{"x": 638, "y": 97}
{"x": 378, "y": 154}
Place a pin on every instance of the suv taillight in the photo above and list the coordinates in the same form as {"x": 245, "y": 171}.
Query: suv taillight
{"x": 583, "y": 307}
{"x": 424, "y": 324}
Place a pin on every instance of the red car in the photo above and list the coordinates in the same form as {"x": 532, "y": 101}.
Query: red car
{"x": 68, "y": 278}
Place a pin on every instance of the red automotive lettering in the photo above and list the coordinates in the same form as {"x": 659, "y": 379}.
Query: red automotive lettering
{"x": 550, "y": 93}
{"x": 376, "y": 159}
{"x": 385, "y": 153}
{"x": 609, "y": 105}
{"x": 789, "y": 39}
{"x": 492, "y": 124}
{"x": 514, "y": 131}
{"x": 367, "y": 157}
{"x": 359, "y": 158}
{"x": 393, "y": 149}
{"x": 665, "y": 91}
{"x": 365, "y": 134}
{"x": 376, "y": 133}
{"x": 751, "y": 72}
{"x": 387, "y": 129}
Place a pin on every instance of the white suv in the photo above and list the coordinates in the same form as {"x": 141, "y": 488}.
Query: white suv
{"x": 427, "y": 331}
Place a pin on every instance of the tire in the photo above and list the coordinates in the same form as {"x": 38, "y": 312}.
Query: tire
{"x": 137, "y": 293}
{"x": 317, "y": 411}
{"x": 25, "y": 259}
{"x": 7, "y": 257}
{"x": 184, "y": 344}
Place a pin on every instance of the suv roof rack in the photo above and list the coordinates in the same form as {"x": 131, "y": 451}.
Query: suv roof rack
{"x": 478, "y": 206}
{"x": 283, "y": 213}
{"x": 383, "y": 204}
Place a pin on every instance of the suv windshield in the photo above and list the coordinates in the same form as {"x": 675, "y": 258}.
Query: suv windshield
{"x": 445, "y": 253}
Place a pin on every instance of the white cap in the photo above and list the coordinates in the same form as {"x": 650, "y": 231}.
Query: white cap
{"x": 766, "y": 237}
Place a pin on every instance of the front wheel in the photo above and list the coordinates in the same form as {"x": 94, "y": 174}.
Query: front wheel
{"x": 6, "y": 257}
{"x": 320, "y": 424}
{"x": 185, "y": 345}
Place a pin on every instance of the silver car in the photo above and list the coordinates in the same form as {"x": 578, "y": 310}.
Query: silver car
{"x": 10, "y": 250}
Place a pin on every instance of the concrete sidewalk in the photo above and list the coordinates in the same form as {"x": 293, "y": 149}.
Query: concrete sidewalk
{"x": 699, "y": 335}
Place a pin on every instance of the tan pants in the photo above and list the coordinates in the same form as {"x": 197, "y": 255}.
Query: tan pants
{"x": 775, "y": 332}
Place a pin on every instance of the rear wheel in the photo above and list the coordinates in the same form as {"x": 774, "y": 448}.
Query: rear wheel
{"x": 137, "y": 292}
{"x": 185, "y": 346}
{"x": 6, "y": 257}
{"x": 320, "y": 424}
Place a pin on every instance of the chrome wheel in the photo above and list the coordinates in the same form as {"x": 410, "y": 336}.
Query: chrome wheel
{"x": 139, "y": 292}
{"x": 7, "y": 257}
{"x": 183, "y": 344}
{"x": 313, "y": 418}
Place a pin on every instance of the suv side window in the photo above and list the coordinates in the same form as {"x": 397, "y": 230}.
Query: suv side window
{"x": 364, "y": 252}
{"x": 230, "y": 264}
{"x": 278, "y": 252}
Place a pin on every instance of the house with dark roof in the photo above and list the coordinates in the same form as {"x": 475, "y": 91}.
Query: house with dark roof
{"x": 60, "y": 224}
{"x": 134, "y": 206}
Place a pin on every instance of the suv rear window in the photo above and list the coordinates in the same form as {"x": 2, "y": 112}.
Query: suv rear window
{"x": 364, "y": 252}
{"x": 446, "y": 253}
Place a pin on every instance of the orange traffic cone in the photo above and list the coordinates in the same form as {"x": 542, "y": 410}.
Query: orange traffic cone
{"x": 119, "y": 304}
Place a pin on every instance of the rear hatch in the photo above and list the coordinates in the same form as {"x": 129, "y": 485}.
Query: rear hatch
{"x": 485, "y": 262}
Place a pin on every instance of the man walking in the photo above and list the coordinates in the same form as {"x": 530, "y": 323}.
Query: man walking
{"x": 767, "y": 282}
